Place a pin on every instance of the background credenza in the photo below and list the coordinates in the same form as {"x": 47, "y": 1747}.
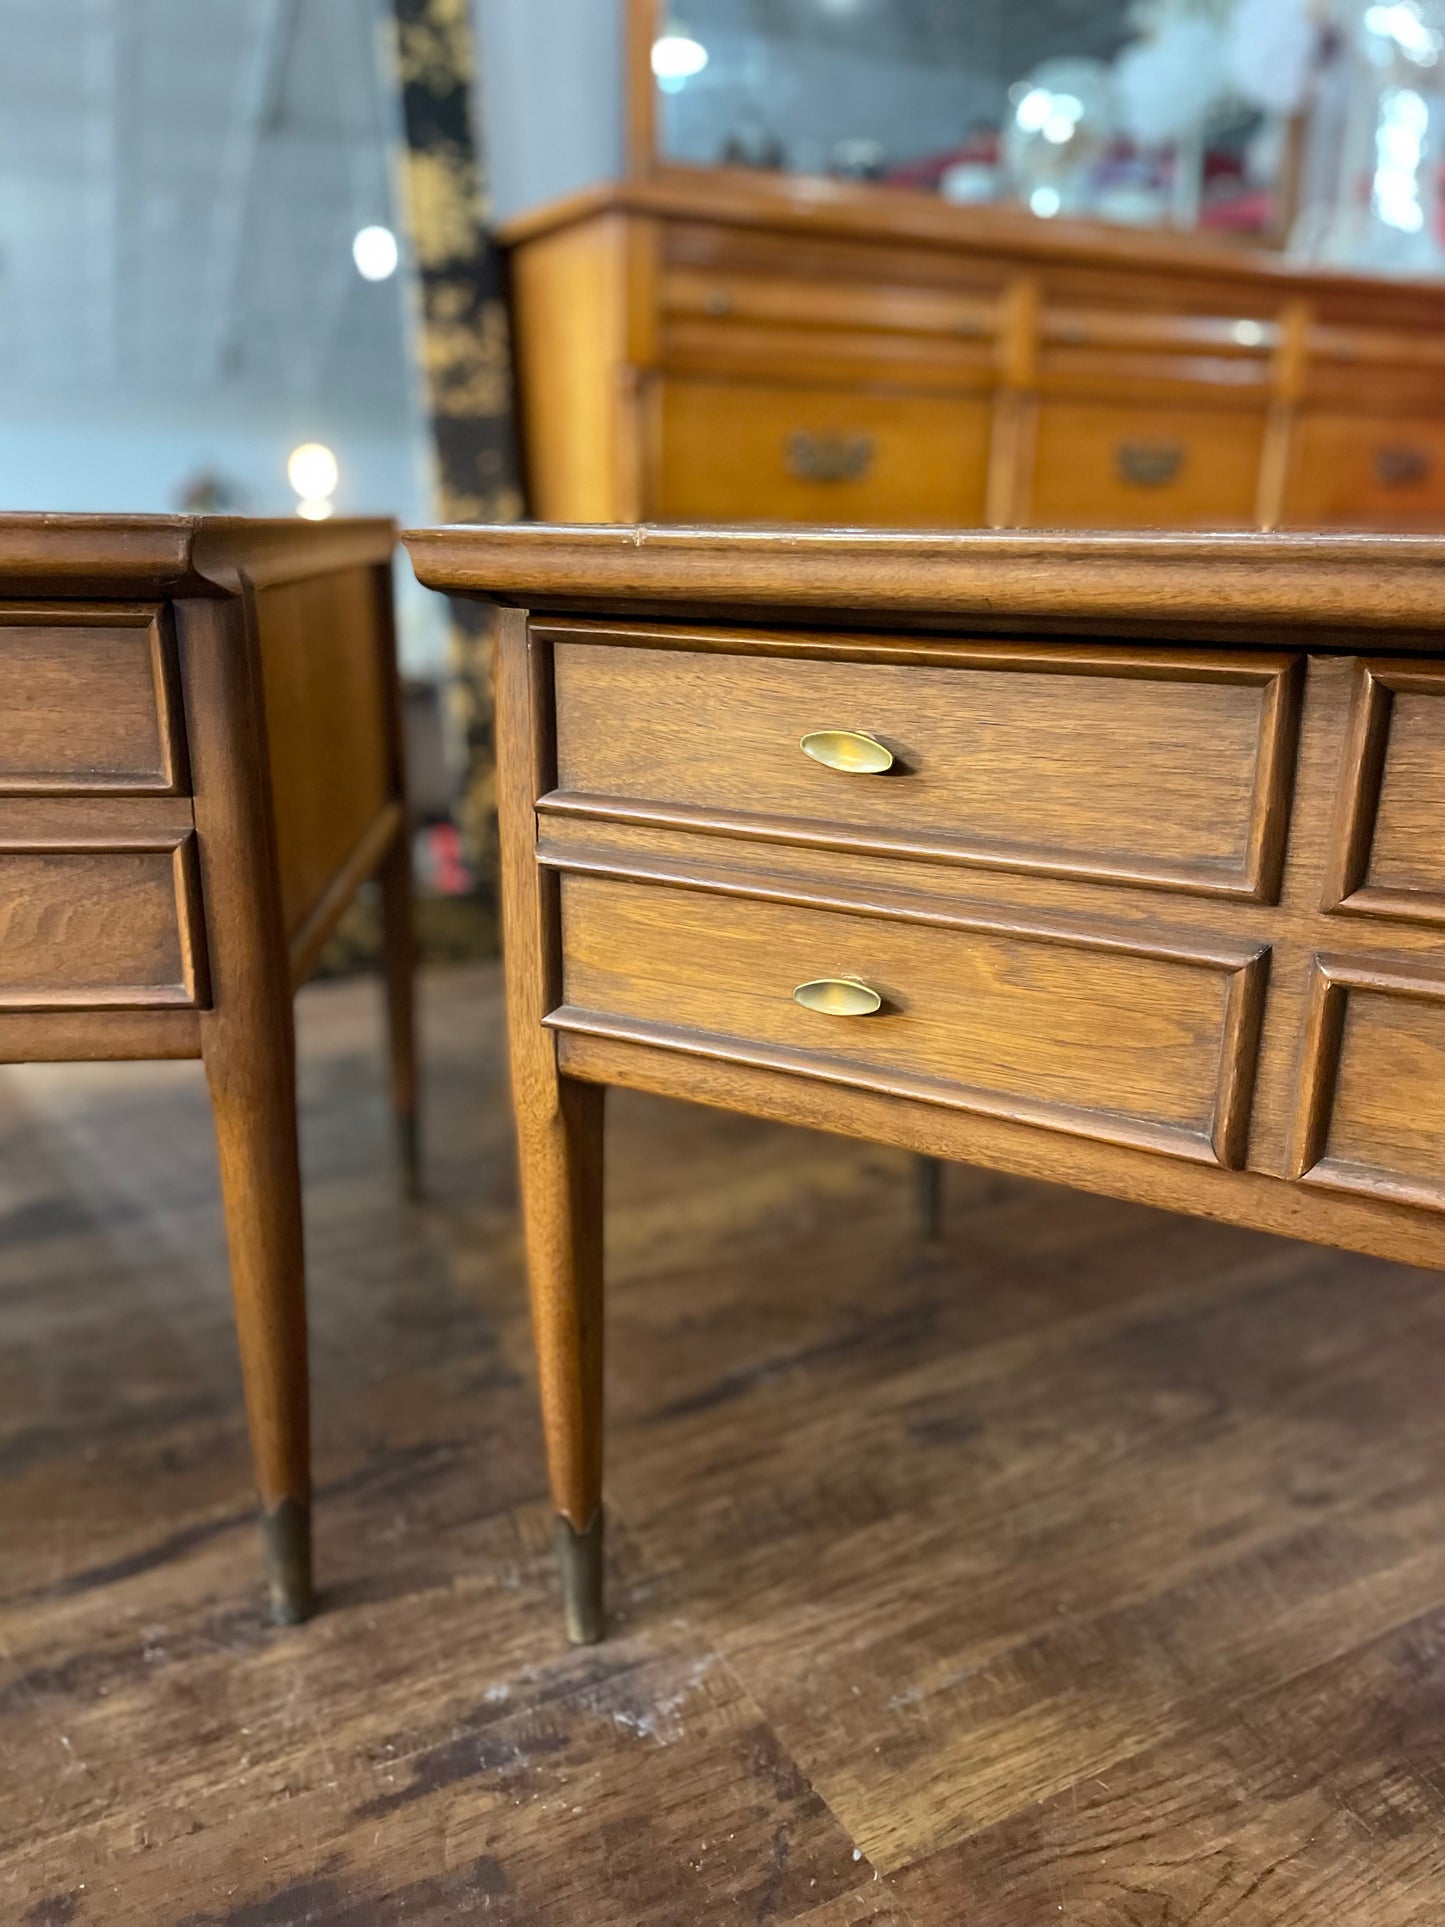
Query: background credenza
{"x": 706, "y": 345}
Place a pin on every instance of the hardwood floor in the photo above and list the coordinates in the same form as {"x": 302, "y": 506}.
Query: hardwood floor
{"x": 1089, "y": 1568}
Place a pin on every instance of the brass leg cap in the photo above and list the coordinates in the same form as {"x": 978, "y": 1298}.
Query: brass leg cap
{"x": 286, "y": 1536}
{"x": 579, "y": 1554}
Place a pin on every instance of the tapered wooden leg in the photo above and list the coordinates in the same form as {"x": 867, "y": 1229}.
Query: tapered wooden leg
{"x": 398, "y": 962}
{"x": 928, "y": 1177}
{"x": 561, "y": 1172}
{"x": 253, "y": 1091}
{"x": 249, "y": 1049}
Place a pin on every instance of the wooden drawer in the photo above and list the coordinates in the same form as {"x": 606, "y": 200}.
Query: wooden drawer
{"x": 1374, "y": 1081}
{"x": 96, "y": 929}
{"x": 1160, "y": 767}
{"x": 1131, "y": 1042}
{"x": 814, "y": 304}
{"x": 1108, "y": 465}
{"x": 88, "y": 703}
{"x": 805, "y": 329}
{"x": 1387, "y": 850}
{"x": 1349, "y": 470}
{"x": 752, "y": 451}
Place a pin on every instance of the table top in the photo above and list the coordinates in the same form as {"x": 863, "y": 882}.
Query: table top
{"x": 1333, "y": 586}
{"x": 129, "y": 555}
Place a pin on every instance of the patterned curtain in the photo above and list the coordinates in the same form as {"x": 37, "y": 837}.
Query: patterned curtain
{"x": 465, "y": 346}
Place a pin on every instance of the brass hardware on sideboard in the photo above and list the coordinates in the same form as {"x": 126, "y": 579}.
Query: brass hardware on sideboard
{"x": 1148, "y": 464}
{"x": 829, "y": 457}
{"x": 838, "y": 997}
{"x": 852, "y": 750}
{"x": 1401, "y": 464}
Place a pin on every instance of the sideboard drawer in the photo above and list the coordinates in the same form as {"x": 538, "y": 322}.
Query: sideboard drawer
{"x": 87, "y": 703}
{"x": 1110, "y": 465}
{"x": 797, "y": 454}
{"x": 1064, "y": 1028}
{"x": 1162, "y": 767}
{"x": 1352, "y": 470}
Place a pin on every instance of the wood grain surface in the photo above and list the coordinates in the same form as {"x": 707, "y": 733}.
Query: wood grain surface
{"x": 765, "y": 453}
{"x": 1337, "y": 589}
{"x": 1044, "y": 1025}
{"x": 87, "y": 929}
{"x": 1387, "y": 853}
{"x": 1085, "y": 1568}
{"x": 685, "y": 336}
{"x": 328, "y": 734}
{"x": 90, "y": 701}
{"x": 1158, "y": 766}
{"x": 98, "y": 556}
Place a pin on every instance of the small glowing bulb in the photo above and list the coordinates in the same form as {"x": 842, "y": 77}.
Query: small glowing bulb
{"x": 312, "y": 470}
{"x": 677, "y": 56}
{"x": 375, "y": 253}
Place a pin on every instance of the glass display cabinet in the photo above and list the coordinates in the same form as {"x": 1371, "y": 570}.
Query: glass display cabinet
{"x": 726, "y": 335}
{"x": 1056, "y": 106}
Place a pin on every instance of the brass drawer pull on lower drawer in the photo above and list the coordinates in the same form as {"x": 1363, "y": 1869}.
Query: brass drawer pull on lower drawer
{"x": 851, "y": 750}
{"x": 838, "y": 997}
{"x": 828, "y": 458}
{"x": 1400, "y": 465}
{"x": 1148, "y": 464}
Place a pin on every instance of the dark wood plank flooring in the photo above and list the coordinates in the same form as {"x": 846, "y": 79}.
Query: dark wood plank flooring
{"x": 1089, "y": 1569}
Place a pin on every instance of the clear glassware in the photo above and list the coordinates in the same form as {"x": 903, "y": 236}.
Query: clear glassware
{"x": 1060, "y": 129}
{"x": 1386, "y": 213}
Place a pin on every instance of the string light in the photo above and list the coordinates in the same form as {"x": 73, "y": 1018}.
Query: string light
{"x": 375, "y": 253}
{"x": 313, "y": 471}
{"x": 676, "y": 57}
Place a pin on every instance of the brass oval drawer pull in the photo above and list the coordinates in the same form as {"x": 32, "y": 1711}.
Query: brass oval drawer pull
{"x": 851, "y": 750}
{"x": 1400, "y": 464}
{"x": 838, "y": 997}
{"x": 828, "y": 458}
{"x": 1148, "y": 464}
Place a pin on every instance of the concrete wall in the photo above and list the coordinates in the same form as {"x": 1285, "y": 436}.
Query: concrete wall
{"x": 552, "y": 96}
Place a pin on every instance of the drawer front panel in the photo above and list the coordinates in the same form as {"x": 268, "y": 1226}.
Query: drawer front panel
{"x": 1167, "y": 769}
{"x": 94, "y": 929}
{"x": 1351, "y": 471}
{"x": 1048, "y": 1027}
{"x": 87, "y": 705}
{"x": 1106, "y": 465}
{"x": 809, "y": 303}
{"x": 739, "y": 451}
{"x": 1373, "y": 1096}
{"x": 1388, "y": 855}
